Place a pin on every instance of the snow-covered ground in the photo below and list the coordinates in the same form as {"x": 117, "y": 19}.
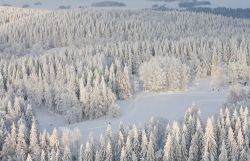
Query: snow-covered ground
{"x": 54, "y": 4}
{"x": 169, "y": 106}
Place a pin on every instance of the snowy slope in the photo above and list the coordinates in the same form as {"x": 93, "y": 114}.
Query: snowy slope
{"x": 53, "y": 4}
{"x": 169, "y": 106}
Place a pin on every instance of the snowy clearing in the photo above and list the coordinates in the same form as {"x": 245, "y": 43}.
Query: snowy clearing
{"x": 169, "y": 106}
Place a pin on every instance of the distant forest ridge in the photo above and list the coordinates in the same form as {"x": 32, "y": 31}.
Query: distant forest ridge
{"x": 228, "y": 12}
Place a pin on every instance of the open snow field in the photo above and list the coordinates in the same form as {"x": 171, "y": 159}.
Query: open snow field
{"x": 54, "y": 4}
{"x": 169, "y": 106}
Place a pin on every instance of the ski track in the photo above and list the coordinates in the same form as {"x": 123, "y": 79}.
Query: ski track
{"x": 169, "y": 106}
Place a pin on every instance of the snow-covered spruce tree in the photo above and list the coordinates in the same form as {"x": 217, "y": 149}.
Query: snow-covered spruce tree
{"x": 144, "y": 144}
{"x": 223, "y": 152}
{"x": 54, "y": 140}
{"x": 195, "y": 150}
{"x": 43, "y": 156}
{"x": 10, "y": 142}
{"x": 232, "y": 145}
{"x": 34, "y": 147}
{"x": 21, "y": 146}
{"x": 109, "y": 155}
{"x": 29, "y": 158}
{"x": 100, "y": 151}
{"x": 123, "y": 155}
{"x": 88, "y": 154}
{"x": 217, "y": 72}
{"x": 150, "y": 151}
{"x": 124, "y": 88}
{"x": 3, "y": 133}
{"x": 184, "y": 153}
{"x": 136, "y": 146}
{"x": 67, "y": 154}
{"x": 168, "y": 149}
{"x": 210, "y": 146}
{"x": 128, "y": 148}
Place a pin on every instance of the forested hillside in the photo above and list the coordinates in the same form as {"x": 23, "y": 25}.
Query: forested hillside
{"x": 78, "y": 63}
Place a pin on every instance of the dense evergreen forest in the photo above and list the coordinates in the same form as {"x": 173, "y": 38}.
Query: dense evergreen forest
{"x": 77, "y": 63}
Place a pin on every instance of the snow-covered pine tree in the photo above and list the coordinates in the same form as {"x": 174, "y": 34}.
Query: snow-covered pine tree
{"x": 210, "y": 146}
{"x": 34, "y": 147}
{"x": 66, "y": 154}
{"x": 223, "y": 152}
{"x": 21, "y": 146}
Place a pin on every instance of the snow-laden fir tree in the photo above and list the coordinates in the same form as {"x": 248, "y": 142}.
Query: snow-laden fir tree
{"x": 210, "y": 145}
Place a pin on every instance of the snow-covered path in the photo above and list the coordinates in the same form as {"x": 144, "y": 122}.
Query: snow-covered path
{"x": 170, "y": 106}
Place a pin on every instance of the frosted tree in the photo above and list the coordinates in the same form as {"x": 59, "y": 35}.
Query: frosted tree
{"x": 52, "y": 155}
{"x": 101, "y": 149}
{"x": 29, "y": 158}
{"x": 112, "y": 79}
{"x": 2, "y": 85}
{"x": 33, "y": 141}
{"x": 120, "y": 144}
{"x": 3, "y": 132}
{"x": 10, "y": 141}
{"x": 29, "y": 116}
{"x": 58, "y": 155}
{"x": 21, "y": 147}
{"x": 185, "y": 77}
{"x": 135, "y": 141}
{"x": 123, "y": 84}
{"x": 17, "y": 108}
{"x": 217, "y": 72}
{"x": 210, "y": 146}
{"x": 109, "y": 155}
{"x": 168, "y": 149}
{"x": 128, "y": 149}
{"x": 184, "y": 153}
{"x": 81, "y": 153}
{"x": 176, "y": 148}
{"x": 232, "y": 146}
{"x": 144, "y": 145}
{"x": 195, "y": 150}
{"x": 43, "y": 140}
{"x": 83, "y": 92}
{"x": 54, "y": 140}
{"x": 67, "y": 154}
{"x": 43, "y": 156}
{"x": 243, "y": 155}
{"x": 88, "y": 153}
{"x": 240, "y": 140}
{"x": 223, "y": 152}
{"x": 123, "y": 155}
{"x": 109, "y": 132}
{"x": 150, "y": 152}
{"x": 134, "y": 157}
